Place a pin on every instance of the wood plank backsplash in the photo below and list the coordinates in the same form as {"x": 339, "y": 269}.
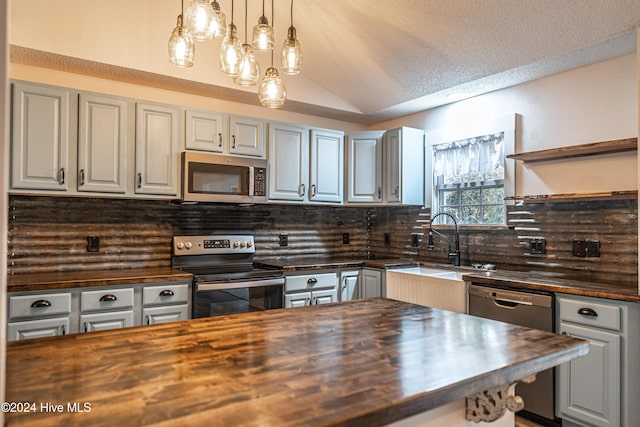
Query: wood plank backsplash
{"x": 49, "y": 234}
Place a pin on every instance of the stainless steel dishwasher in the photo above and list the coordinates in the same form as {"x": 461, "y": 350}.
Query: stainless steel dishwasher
{"x": 523, "y": 308}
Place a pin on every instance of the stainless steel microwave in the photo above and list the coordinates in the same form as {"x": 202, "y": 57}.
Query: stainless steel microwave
{"x": 219, "y": 178}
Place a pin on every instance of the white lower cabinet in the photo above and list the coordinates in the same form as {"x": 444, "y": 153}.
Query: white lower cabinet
{"x": 50, "y": 313}
{"x": 372, "y": 283}
{"x": 310, "y": 289}
{"x": 349, "y": 285}
{"x": 599, "y": 389}
{"x": 25, "y": 330}
{"x": 105, "y": 321}
{"x": 166, "y": 302}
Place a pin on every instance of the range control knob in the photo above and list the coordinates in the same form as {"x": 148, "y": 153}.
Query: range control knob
{"x": 236, "y": 244}
{"x": 249, "y": 244}
{"x": 243, "y": 244}
{"x": 188, "y": 245}
{"x": 180, "y": 245}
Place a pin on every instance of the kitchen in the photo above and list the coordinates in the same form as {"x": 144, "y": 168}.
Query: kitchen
{"x": 606, "y": 90}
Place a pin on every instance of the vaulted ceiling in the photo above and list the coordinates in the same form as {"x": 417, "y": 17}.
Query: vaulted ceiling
{"x": 364, "y": 60}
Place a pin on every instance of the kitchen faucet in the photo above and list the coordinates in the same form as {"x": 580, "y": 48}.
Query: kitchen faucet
{"x": 455, "y": 255}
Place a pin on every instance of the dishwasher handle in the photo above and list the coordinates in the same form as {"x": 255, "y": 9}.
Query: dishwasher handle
{"x": 509, "y": 303}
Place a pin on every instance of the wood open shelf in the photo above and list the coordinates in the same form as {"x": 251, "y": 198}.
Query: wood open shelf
{"x": 574, "y": 197}
{"x": 593, "y": 149}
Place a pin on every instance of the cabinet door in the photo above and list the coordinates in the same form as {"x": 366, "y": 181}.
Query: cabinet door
{"x": 102, "y": 144}
{"x": 106, "y": 321}
{"x": 364, "y": 167}
{"x": 349, "y": 288}
{"x": 171, "y": 313}
{"x": 246, "y": 136}
{"x": 37, "y": 328}
{"x": 371, "y": 283}
{"x": 204, "y": 130}
{"x": 326, "y": 166}
{"x": 392, "y": 146}
{"x": 41, "y": 136}
{"x": 325, "y": 296}
{"x": 589, "y": 387}
{"x": 299, "y": 299}
{"x": 288, "y": 162}
{"x": 157, "y": 150}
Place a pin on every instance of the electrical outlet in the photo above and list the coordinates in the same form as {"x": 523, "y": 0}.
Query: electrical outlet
{"x": 593, "y": 248}
{"x": 345, "y": 238}
{"x": 283, "y": 240}
{"x": 387, "y": 238}
{"x": 579, "y": 248}
{"x": 538, "y": 246}
{"x": 415, "y": 240}
{"x": 93, "y": 243}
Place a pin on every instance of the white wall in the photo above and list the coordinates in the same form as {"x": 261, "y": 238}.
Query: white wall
{"x": 589, "y": 104}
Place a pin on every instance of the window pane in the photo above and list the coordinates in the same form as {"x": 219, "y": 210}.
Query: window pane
{"x": 471, "y": 197}
{"x": 493, "y": 214}
{"x": 492, "y": 195}
{"x": 470, "y": 215}
{"x": 449, "y": 197}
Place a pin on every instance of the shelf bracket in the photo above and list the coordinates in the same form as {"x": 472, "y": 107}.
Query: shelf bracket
{"x": 490, "y": 405}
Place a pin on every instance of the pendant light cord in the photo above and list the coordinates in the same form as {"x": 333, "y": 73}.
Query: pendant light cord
{"x": 273, "y": 25}
{"x": 245, "y": 20}
{"x": 292, "y": 13}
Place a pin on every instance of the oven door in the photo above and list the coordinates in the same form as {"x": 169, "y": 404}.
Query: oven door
{"x": 222, "y": 298}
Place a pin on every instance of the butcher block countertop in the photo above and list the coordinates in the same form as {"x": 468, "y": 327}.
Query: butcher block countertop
{"x": 366, "y": 362}
{"x": 80, "y": 279}
{"x": 523, "y": 280}
{"x": 292, "y": 264}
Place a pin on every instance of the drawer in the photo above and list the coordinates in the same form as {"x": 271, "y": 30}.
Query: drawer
{"x": 166, "y": 294}
{"x": 105, "y": 299}
{"x": 39, "y": 305}
{"x": 589, "y": 312}
{"x": 310, "y": 281}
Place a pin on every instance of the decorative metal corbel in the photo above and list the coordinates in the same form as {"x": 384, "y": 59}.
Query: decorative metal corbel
{"x": 491, "y": 404}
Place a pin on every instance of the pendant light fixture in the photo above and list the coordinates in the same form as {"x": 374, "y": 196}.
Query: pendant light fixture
{"x": 200, "y": 20}
{"x": 263, "y": 32}
{"x": 222, "y": 20}
{"x": 249, "y": 70}
{"x": 291, "y": 51}
{"x": 181, "y": 47}
{"x": 230, "y": 50}
{"x": 272, "y": 92}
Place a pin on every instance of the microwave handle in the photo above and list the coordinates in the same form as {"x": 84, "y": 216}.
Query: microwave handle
{"x": 252, "y": 175}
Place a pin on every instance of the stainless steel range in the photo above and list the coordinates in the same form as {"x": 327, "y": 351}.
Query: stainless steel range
{"x": 225, "y": 278}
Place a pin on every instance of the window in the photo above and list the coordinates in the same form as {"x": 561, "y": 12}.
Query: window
{"x": 469, "y": 179}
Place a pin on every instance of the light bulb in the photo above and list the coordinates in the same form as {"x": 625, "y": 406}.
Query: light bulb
{"x": 230, "y": 52}
{"x": 201, "y": 20}
{"x": 249, "y": 70}
{"x": 291, "y": 54}
{"x": 272, "y": 92}
{"x": 263, "y": 35}
{"x": 181, "y": 47}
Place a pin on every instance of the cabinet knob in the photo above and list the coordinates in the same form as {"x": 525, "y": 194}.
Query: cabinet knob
{"x": 586, "y": 311}
{"x": 312, "y": 281}
{"x": 108, "y": 298}
{"x": 167, "y": 293}
{"x": 41, "y": 303}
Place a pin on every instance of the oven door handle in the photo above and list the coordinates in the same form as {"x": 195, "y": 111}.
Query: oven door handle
{"x": 215, "y": 286}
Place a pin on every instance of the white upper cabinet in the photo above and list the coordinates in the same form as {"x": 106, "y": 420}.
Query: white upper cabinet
{"x": 404, "y": 166}
{"x": 288, "y": 162}
{"x": 246, "y": 136}
{"x": 326, "y": 181}
{"x": 102, "y": 144}
{"x": 364, "y": 167}
{"x": 205, "y": 131}
{"x": 157, "y": 149}
{"x": 41, "y": 138}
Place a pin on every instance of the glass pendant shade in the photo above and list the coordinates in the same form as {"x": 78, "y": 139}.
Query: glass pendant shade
{"x": 249, "y": 69}
{"x": 272, "y": 92}
{"x": 222, "y": 20}
{"x": 263, "y": 35}
{"x": 181, "y": 47}
{"x": 291, "y": 54}
{"x": 201, "y": 20}
{"x": 230, "y": 52}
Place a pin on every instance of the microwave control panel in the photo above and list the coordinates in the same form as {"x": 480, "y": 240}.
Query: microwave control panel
{"x": 260, "y": 182}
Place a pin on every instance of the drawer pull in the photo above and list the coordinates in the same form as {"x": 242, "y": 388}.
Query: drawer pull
{"x": 167, "y": 293}
{"x": 41, "y": 303}
{"x": 585, "y": 311}
{"x": 108, "y": 298}
{"x": 312, "y": 281}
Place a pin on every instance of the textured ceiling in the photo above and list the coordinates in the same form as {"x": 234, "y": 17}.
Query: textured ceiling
{"x": 372, "y": 60}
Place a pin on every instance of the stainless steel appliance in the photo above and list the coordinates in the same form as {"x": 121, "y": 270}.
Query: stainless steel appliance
{"x": 217, "y": 178}
{"x": 225, "y": 278}
{"x": 524, "y": 308}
